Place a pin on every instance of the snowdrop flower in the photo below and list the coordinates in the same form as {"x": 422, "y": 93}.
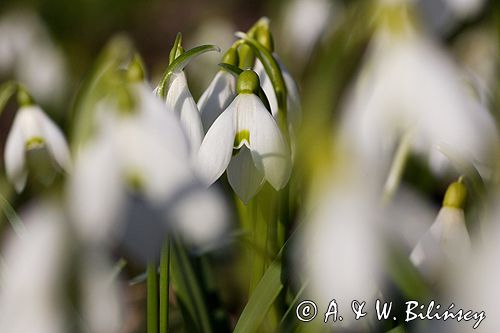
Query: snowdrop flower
{"x": 180, "y": 101}
{"x": 33, "y": 129}
{"x": 410, "y": 86}
{"x": 144, "y": 148}
{"x": 143, "y": 152}
{"x": 30, "y": 297}
{"x": 446, "y": 244}
{"x": 220, "y": 93}
{"x": 340, "y": 247}
{"x": 246, "y": 126}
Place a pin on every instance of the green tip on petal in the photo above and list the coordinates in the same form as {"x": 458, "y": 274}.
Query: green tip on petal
{"x": 248, "y": 82}
{"x": 455, "y": 195}
{"x": 240, "y": 138}
{"x": 23, "y": 97}
{"x": 231, "y": 57}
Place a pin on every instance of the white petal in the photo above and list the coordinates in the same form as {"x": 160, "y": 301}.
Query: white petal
{"x": 15, "y": 155}
{"x": 216, "y": 97}
{"x": 243, "y": 176}
{"x": 446, "y": 243}
{"x": 95, "y": 190}
{"x": 217, "y": 147}
{"x": 180, "y": 100}
{"x": 55, "y": 141}
{"x": 157, "y": 117}
{"x": 201, "y": 217}
{"x": 270, "y": 152}
{"x": 267, "y": 86}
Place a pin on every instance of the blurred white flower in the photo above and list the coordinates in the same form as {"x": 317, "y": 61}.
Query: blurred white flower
{"x": 245, "y": 124}
{"x": 340, "y": 248}
{"x": 465, "y": 8}
{"x": 32, "y": 129}
{"x": 410, "y": 86}
{"x": 181, "y": 102}
{"x": 30, "y": 297}
{"x": 143, "y": 151}
{"x": 446, "y": 245}
{"x": 217, "y": 97}
{"x": 30, "y": 56}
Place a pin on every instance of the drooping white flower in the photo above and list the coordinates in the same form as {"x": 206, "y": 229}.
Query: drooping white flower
{"x": 216, "y": 98}
{"x": 32, "y": 129}
{"x": 142, "y": 151}
{"x": 446, "y": 244}
{"x": 245, "y": 123}
{"x": 410, "y": 85}
{"x": 180, "y": 101}
{"x": 30, "y": 297}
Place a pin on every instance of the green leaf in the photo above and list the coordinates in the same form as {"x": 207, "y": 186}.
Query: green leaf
{"x": 10, "y": 213}
{"x": 175, "y": 48}
{"x": 261, "y": 300}
{"x": 187, "y": 288}
{"x": 6, "y": 91}
{"x": 179, "y": 64}
{"x": 237, "y": 71}
{"x": 152, "y": 299}
{"x": 164, "y": 285}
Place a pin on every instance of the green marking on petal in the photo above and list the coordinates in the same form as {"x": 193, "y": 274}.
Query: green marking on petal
{"x": 34, "y": 142}
{"x": 240, "y": 138}
{"x": 134, "y": 181}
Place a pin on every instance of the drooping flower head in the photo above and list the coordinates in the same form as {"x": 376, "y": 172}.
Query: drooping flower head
{"x": 33, "y": 132}
{"x": 246, "y": 141}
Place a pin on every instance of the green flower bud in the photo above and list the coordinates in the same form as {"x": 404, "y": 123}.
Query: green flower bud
{"x": 231, "y": 57}
{"x": 135, "y": 71}
{"x": 23, "y": 97}
{"x": 455, "y": 195}
{"x": 248, "y": 82}
{"x": 264, "y": 37}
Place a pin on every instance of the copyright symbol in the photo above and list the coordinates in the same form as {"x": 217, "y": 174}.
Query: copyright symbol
{"x": 306, "y": 311}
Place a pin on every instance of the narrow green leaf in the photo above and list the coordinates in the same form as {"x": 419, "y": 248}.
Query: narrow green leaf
{"x": 164, "y": 286}
{"x": 187, "y": 288}
{"x": 173, "y": 51}
{"x": 261, "y": 300}
{"x": 10, "y": 213}
{"x": 237, "y": 71}
{"x": 6, "y": 91}
{"x": 152, "y": 299}
{"x": 179, "y": 64}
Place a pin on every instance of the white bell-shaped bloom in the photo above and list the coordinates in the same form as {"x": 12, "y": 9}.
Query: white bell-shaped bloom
{"x": 180, "y": 101}
{"x": 294, "y": 113}
{"x": 32, "y": 128}
{"x": 245, "y": 124}
{"x": 30, "y": 297}
{"x": 410, "y": 85}
{"x": 216, "y": 98}
{"x": 142, "y": 151}
{"x": 446, "y": 244}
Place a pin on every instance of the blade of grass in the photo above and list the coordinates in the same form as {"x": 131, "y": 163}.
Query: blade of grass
{"x": 164, "y": 286}
{"x": 152, "y": 299}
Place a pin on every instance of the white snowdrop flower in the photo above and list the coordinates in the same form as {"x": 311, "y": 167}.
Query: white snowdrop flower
{"x": 245, "y": 123}
{"x": 220, "y": 92}
{"x": 33, "y": 129}
{"x": 340, "y": 248}
{"x": 180, "y": 101}
{"x": 144, "y": 148}
{"x": 410, "y": 86}
{"x": 446, "y": 244}
{"x": 304, "y": 21}
{"x": 30, "y": 297}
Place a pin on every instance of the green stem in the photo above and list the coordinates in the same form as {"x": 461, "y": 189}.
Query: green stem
{"x": 397, "y": 168}
{"x": 152, "y": 299}
{"x": 164, "y": 286}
